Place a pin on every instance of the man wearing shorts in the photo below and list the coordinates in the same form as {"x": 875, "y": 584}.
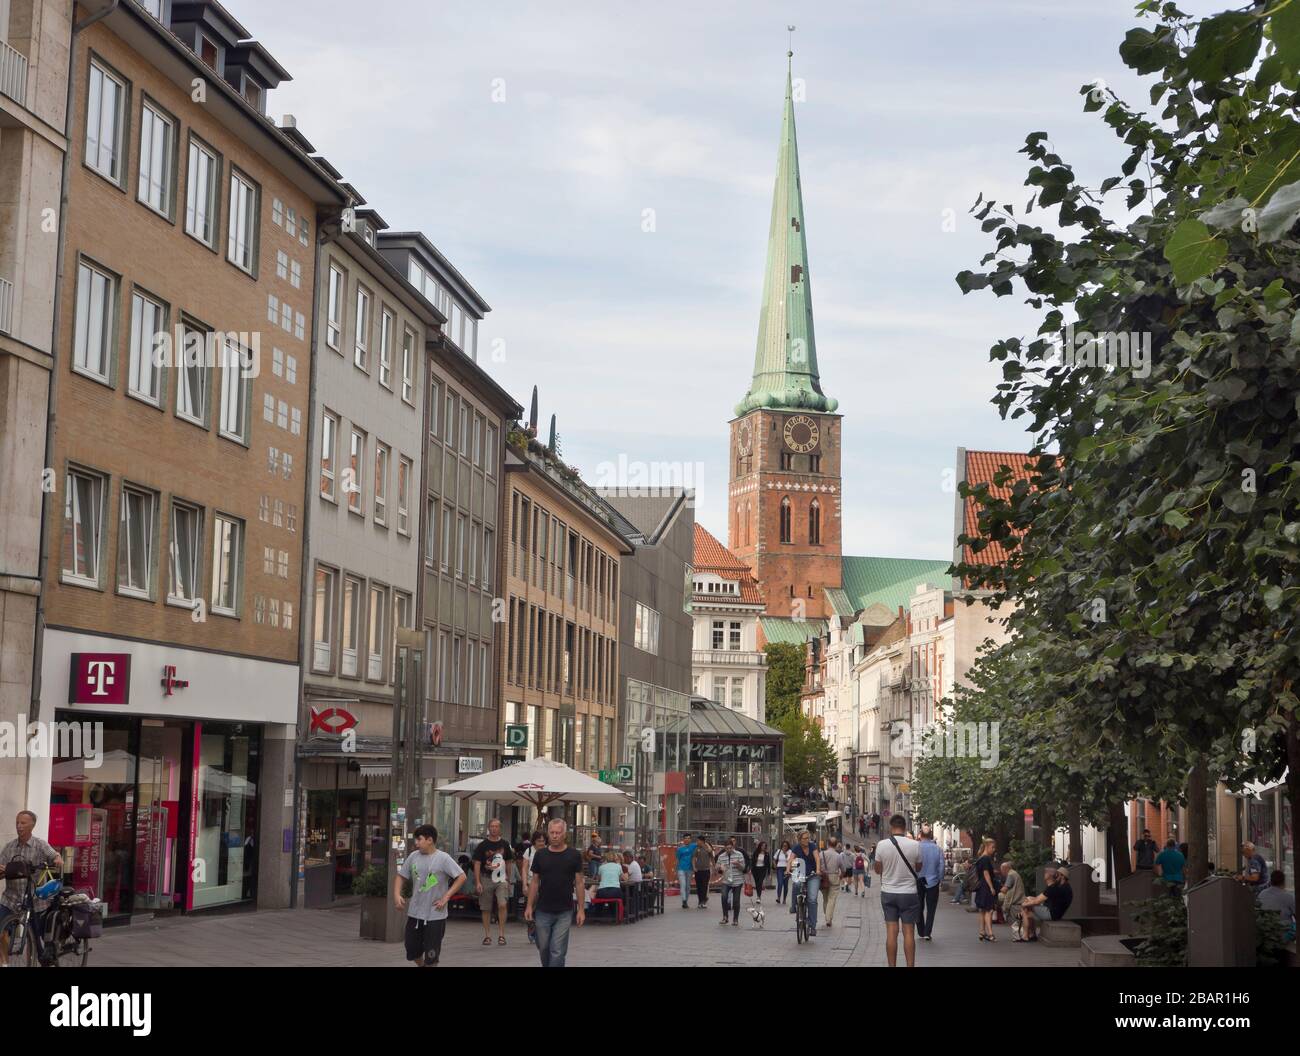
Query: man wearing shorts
{"x": 434, "y": 877}
{"x": 898, "y": 862}
{"x": 492, "y": 879}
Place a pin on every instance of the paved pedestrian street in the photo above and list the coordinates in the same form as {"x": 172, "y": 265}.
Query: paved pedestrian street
{"x": 680, "y": 938}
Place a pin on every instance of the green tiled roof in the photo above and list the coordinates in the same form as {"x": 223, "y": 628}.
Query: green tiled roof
{"x": 840, "y": 602}
{"x": 891, "y": 581}
{"x": 786, "y": 629}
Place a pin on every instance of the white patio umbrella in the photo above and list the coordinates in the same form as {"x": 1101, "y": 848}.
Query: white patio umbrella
{"x": 539, "y": 782}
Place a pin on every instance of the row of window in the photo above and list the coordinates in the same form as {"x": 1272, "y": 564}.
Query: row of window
{"x": 463, "y": 674}
{"x": 353, "y": 626}
{"x": 787, "y": 534}
{"x": 555, "y": 655}
{"x": 463, "y": 540}
{"x": 790, "y": 462}
{"x": 551, "y": 555}
{"x": 363, "y": 333}
{"x": 108, "y": 104}
{"x": 353, "y": 482}
{"x": 95, "y": 356}
{"x": 720, "y": 683}
{"x": 478, "y": 436}
{"x": 294, "y": 226}
{"x": 551, "y": 735}
{"x": 283, "y": 314}
{"x": 460, "y": 326}
{"x": 85, "y": 543}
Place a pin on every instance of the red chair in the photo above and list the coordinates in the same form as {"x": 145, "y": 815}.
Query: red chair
{"x": 617, "y": 903}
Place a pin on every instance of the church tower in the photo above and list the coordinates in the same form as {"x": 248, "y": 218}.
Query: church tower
{"x": 784, "y": 493}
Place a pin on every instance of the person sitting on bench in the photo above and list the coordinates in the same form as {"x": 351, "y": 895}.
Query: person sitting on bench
{"x": 1050, "y": 905}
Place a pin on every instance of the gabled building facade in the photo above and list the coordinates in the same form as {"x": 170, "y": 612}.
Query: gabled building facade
{"x": 727, "y": 666}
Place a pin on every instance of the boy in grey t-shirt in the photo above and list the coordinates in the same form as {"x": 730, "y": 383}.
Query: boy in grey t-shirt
{"x": 434, "y": 877}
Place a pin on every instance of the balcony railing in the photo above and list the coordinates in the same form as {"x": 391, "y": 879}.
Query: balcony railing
{"x": 726, "y": 656}
{"x": 13, "y": 74}
{"x": 6, "y": 306}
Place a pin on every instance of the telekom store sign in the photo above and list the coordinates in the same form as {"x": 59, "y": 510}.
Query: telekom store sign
{"x": 100, "y": 678}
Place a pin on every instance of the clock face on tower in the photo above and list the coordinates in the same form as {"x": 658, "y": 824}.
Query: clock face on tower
{"x": 801, "y": 434}
{"x": 744, "y": 438}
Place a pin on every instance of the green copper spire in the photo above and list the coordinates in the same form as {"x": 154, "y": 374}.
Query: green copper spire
{"x": 785, "y": 360}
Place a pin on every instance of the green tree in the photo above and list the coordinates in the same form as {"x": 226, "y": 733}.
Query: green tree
{"x": 809, "y": 759}
{"x": 1155, "y": 556}
{"x": 785, "y": 679}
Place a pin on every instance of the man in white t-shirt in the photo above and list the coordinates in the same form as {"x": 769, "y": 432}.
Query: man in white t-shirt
{"x": 898, "y": 894}
{"x": 633, "y": 867}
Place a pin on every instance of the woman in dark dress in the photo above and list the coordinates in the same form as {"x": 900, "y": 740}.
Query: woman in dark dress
{"x": 760, "y": 865}
{"x": 986, "y": 894}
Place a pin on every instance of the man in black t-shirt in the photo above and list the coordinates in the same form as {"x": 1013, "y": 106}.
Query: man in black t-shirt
{"x": 1050, "y": 905}
{"x": 555, "y": 883}
{"x": 492, "y": 877}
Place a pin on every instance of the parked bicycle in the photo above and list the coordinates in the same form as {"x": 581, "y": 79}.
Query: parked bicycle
{"x": 57, "y": 936}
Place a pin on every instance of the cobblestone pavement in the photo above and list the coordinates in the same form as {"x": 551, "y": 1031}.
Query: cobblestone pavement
{"x": 690, "y": 937}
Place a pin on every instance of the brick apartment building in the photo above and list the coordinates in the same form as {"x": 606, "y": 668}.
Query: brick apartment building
{"x": 173, "y": 538}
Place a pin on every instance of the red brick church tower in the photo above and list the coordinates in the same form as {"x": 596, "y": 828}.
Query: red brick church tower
{"x": 784, "y": 491}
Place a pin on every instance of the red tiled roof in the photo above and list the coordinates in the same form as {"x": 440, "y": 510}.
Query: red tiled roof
{"x": 712, "y": 556}
{"x": 981, "y": 468}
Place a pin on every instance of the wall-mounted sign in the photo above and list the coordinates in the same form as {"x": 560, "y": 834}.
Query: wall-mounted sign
{"x": 512, "y": 760}
{"x": 747, "y": 811}
{"x": 619, "y": 775}
{"x": 100, "y": 678}
{"x": 741, "y": 753}
{"x": 332, "y": 720}
{"x": 516, "y": 736}
{"x": 171, "y": 682}
{"x": 469, "y": 764}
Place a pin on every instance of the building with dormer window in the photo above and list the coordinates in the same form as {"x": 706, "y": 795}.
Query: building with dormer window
{"x": 727, "y": 666}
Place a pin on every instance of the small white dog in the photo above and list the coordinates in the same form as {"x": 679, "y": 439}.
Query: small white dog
{"x": 757, "y": 914}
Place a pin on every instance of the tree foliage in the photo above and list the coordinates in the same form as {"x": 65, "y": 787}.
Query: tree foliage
{"x": 1154, "y": 552}
{"x": 785, "y": 678}
{"x": 809, "y": 759}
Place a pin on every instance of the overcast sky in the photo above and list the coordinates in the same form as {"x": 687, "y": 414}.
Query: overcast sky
{"x": 643, "y": 342}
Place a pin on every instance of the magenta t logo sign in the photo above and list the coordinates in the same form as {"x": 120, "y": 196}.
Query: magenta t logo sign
{"x": 99, "y": 678}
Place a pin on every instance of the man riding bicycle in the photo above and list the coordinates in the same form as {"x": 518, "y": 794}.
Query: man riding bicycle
{"x": 805, "y": 869}
{"x": 37, "y": 854}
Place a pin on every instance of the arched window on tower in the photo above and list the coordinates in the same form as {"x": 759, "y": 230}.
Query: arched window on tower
{"x": 785, "y": 519}
{"x": 749, "y": 523}
{"x": 740, "y": 527}
{"x": 814, "y": 522}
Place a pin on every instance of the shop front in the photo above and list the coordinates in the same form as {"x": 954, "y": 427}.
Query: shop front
{"x": 156, "y": 805}
{"x": 735, "y": 774}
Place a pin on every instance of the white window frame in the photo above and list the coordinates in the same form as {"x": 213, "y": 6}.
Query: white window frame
{"x": 379, "y": 504}
{"x": 194, "y": 341}
{"x": 85, "y": 525}
{"x": 144, "y": 368}
{"x": 174, "y": 556}
{"x": 405, "y": 468}
{"x": 334, "y": 311}
{"x": 96, "y": 322}
{"x": 353, "y": 617}
{"x": 202, "y": 200}
{"x": 156, "y": 185}
{"x": 357, "y": 463}
{"x": 361, "y": 331}
{"x": 386, "y": 323}
{"x": 141, "y": 564}
{"x": 236, "y": 389}
{"x": 408, "y": 365}
{"x": 227, "y": 564}
{"x": 329, "y": 433}
{"x": 376, "y": 632}
{"x": 108, "y": 161}
{"x": 322, "y": 654}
